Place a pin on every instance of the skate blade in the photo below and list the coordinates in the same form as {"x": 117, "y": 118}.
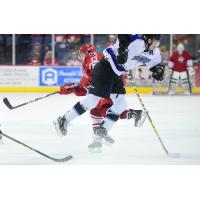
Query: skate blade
{"x": 96, "y": 150}
{"x": 187, "y": 94}
{"x": 143, "y": 118}
{"x": 95, "y": 145}
{"x": 108, "y": 143}
{"x": 107, "y": 140}
{"x": 174, "y": 155}
{"x": 57, "y": 129}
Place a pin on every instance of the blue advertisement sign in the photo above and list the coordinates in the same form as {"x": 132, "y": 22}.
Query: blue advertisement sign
{"x": 56, "y": 76}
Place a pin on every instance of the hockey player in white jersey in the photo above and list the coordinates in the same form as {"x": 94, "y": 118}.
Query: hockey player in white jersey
{"x": 129, "y": 52}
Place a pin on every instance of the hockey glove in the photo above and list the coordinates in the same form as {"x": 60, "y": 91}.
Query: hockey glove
{"x": 158, "y": 72}
{"x": 80, "y": 90}
{"x": 122, "y": 56}
{"x": 67, "y": 88}
{"x": 85, "y": 81}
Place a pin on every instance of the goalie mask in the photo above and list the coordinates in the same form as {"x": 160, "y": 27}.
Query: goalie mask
{"x": 180, "y": 48}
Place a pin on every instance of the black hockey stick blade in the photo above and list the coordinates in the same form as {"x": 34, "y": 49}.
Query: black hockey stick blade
{"x": 67, "y": 158}
{"x": 7, "y": 103}
{"x": 62, "y": 159}
{"x": 174, "y": 155}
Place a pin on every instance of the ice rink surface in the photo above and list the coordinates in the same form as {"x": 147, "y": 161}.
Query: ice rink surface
{"x": 176, "y": 118}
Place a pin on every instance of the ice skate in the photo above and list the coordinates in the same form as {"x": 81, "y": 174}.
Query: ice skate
{"x": 102, "y": 133}
{"x": 96, "y": 145}
{"x": 187, "y": 93}
{"x": 61, "y": 126}
{"x": 172, "y": 89}
{"x": 171, "y": 93}
{"x": 139, "y": 116}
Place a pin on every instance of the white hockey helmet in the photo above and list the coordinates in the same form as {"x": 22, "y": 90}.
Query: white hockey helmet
{"x": 180, "y": 48}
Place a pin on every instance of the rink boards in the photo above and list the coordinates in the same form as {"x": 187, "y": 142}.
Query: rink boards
{"x": 129, "y": 90}
{"x": 49, "y": 78}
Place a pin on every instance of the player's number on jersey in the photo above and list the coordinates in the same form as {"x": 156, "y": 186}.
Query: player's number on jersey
{"x": 94, "y": 61}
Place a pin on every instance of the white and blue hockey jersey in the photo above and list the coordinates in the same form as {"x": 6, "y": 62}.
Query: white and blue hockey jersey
{"x": 137, "y": 56}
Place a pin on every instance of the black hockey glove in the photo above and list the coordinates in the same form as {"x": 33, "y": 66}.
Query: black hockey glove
{"x": 158, "y": 72}
{"x": 122, "y": 56}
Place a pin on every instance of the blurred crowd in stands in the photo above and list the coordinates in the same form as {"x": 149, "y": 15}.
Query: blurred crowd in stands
{"x": 36, "y": 49}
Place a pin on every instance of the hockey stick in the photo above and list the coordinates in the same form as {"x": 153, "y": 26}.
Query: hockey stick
{"x": 174, "y": 155}
{"x": 39, "y": 152}
{"x": 188, "y": 77}
{"x": 8, "y": 104}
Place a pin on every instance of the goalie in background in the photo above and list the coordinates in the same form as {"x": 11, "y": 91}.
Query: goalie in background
{"x": 181, "y": 65}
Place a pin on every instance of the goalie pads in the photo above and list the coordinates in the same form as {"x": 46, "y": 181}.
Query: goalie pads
{"x": 174, "y": 81}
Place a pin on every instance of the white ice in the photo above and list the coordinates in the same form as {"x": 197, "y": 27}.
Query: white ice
{"x": 176, "y": 118}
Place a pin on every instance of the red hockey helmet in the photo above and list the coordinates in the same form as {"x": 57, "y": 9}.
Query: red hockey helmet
{"x": 86, "y": 49}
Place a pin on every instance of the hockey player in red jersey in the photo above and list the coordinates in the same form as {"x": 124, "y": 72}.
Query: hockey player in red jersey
{"x": 181, "y": 65}
{"x": 90, "y": 57}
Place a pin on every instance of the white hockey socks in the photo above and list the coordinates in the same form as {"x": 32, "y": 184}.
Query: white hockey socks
{"x": 110, "y": 120}
{"x": 76, "y": 111}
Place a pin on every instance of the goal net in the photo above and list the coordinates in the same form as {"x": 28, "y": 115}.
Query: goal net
{"x": 142, "y": 78}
